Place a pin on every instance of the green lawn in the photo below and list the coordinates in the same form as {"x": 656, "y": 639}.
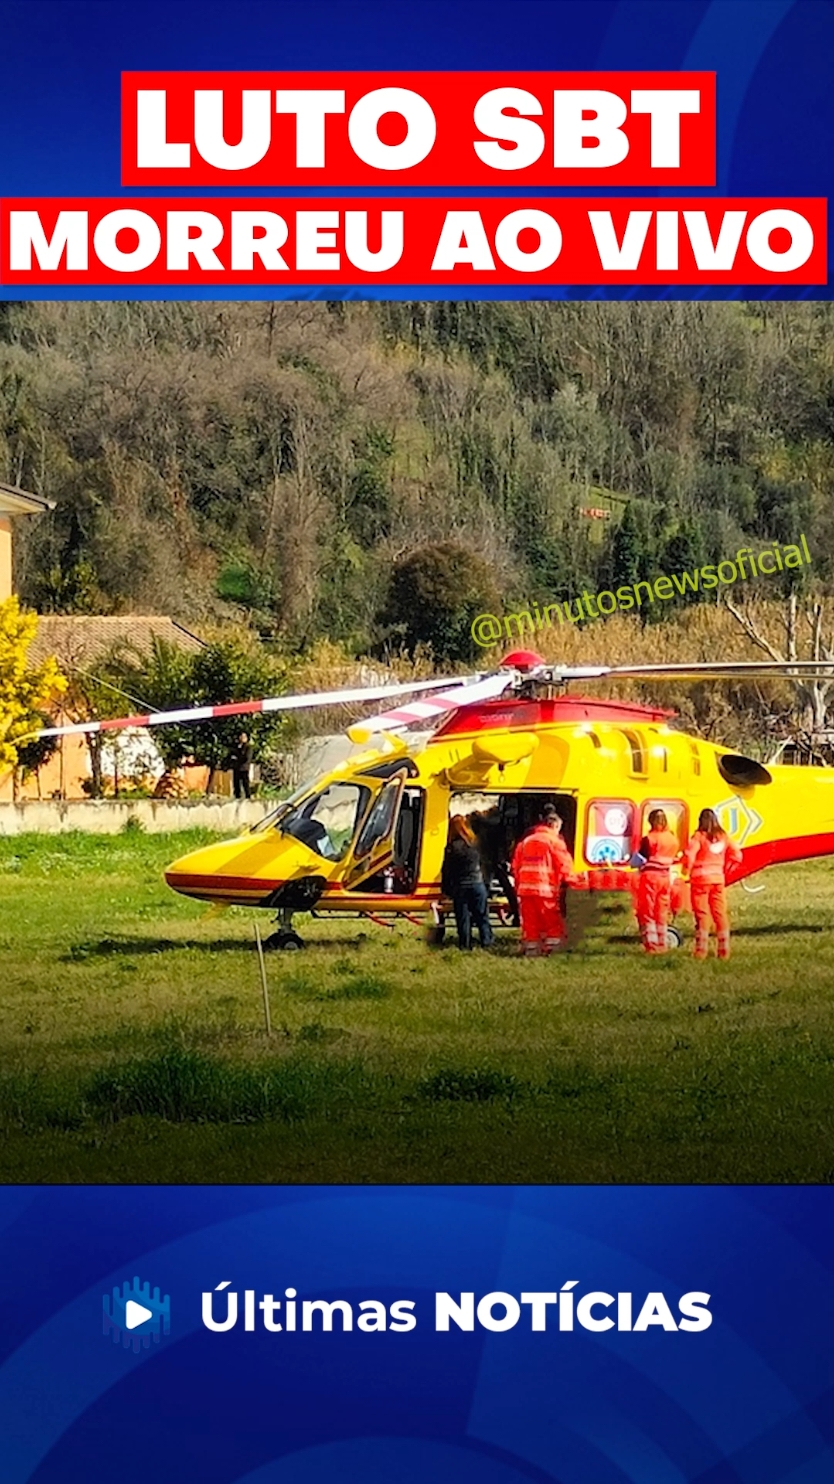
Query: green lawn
{"x": 133, "y": 1045}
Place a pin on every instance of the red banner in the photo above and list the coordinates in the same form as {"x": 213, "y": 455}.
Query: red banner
{"x": 418, "y": 128}
{"x": 418, "y": 241}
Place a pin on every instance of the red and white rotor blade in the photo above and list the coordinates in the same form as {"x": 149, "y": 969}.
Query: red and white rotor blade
{"x": 481, "y": 688}
{"x": 191, "y": 714}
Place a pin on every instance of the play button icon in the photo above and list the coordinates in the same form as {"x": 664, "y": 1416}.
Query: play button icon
{"x": 136, "y": 1314}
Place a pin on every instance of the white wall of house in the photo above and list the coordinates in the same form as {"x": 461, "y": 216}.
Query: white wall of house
{"x": 5, "y": 558}
{"x": 109, "y": 816}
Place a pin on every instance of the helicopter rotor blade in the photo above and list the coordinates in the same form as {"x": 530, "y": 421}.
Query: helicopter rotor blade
{"x": 193, "y": 714}
{"x": 448, "y": 694}
{"x": 468, "y": 693}
{"x": 695, "y": 670}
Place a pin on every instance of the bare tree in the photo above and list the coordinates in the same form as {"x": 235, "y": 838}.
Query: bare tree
{"x": 808, "y": 635}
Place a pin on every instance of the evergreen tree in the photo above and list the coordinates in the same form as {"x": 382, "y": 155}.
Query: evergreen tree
{"x": 627, "y": 549}
{"x": 683, "y": 551}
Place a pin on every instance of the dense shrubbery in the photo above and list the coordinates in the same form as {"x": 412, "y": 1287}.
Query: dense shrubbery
{"x": 284, "y": 463}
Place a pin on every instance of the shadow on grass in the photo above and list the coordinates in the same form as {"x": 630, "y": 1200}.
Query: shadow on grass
{"x": 777, "y": 929}
{"x": 140, "y": 947}
{"x": 136, "y": 947}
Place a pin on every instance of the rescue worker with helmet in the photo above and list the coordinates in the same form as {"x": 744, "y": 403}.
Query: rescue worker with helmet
{"x": 542, "y": 864}
{"x": 708, "y": 855}
{"x": 658, "y": 852}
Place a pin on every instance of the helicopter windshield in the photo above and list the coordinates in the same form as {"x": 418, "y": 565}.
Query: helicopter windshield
{"x": 274, "y": 815}
{"x": 326, "y": 823}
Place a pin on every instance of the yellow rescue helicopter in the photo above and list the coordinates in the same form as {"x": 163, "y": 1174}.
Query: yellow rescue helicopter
{"x": 368, "y": 838}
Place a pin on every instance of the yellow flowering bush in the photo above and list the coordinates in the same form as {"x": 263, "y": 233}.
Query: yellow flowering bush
{"x": 24, "y": 690}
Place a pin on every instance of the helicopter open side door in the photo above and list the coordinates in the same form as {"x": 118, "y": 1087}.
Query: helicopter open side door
{"x": 375, "y": 845}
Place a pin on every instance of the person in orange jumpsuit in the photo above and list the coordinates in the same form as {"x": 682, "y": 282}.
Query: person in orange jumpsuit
{"x": 708, "y": 854}
{"x": 541, "y": 865}
{"x": 659, "y": 850}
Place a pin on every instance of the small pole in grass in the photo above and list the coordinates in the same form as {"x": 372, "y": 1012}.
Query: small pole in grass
{"x": 263, "y": 979}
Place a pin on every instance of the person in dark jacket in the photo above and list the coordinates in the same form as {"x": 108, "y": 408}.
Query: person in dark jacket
{"x": 241, "y": 765}
{"x": 491, "y": 839}
{"x": 462, "y": 879}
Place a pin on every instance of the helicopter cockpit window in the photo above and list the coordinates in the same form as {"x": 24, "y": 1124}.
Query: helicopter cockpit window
{"x": 380, "y": 821}
{"x": 326, "y": 822}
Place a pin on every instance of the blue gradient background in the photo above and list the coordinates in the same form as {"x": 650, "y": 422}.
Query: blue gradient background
{"x": 60, "y": 118}
{"x": 751, "y": 1401}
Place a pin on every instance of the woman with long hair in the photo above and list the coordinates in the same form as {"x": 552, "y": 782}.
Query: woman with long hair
{"x": 659, "y": 850}
{"x": 708, "y": 855}
{"x": 462, "y": 879}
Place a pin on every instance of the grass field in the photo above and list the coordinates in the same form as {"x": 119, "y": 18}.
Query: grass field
{"x": 132, "y": 1041}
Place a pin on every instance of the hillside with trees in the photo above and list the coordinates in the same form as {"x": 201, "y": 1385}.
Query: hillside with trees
{"x": 374, "y": 474}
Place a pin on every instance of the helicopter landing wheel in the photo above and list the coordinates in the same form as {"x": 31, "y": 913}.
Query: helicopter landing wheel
{"x": 285, "y": 940}
{"x": 674, "y": 938}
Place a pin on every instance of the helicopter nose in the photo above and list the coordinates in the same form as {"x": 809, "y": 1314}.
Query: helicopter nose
{"x": 221, "y": 873}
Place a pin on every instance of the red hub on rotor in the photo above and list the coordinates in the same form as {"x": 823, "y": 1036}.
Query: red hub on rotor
{"x": 522, "y": 659}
